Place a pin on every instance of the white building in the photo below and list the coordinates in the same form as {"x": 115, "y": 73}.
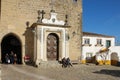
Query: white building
{"x": 98, "y": 48}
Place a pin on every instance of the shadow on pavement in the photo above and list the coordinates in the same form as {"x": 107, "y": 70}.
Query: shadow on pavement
{"x": 115, "y": 73}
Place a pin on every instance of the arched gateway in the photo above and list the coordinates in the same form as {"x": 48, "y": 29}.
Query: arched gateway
{"x": 114, "y": 58}
{"x": 11, "y": 43}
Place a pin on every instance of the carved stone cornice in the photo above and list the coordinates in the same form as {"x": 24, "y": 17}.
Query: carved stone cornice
{"x": 50, "y": 25}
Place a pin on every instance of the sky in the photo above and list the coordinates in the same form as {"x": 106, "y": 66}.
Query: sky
{"x": 102, "y": 17}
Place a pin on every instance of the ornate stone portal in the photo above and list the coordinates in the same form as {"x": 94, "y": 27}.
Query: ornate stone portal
{"x": 50, "y": 40}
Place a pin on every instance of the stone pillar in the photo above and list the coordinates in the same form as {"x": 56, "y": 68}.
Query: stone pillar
{"x": 0, "y": 55}
{"x": 41, "y": 44}
{"x": 38, "y": 47}
{"x": 66, "y": 43}
{"x": 23, "y": 53}
{"x": 35, "y": 46}
{"x": 63, "y": 44}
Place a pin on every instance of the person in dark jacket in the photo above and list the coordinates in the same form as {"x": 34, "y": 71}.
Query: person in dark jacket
{"x": 68, "y": 62}
{"x": 7, "y": 59}
{"x": 12, "y": 58}
{"x": 64, "y": 63}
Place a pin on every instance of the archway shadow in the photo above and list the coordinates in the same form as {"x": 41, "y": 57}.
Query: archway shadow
{"x": 115, "y": 73}
{"x": 11, "y": 43}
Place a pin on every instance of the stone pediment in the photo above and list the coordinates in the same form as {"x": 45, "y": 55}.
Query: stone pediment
{"x": 53, "y": 20}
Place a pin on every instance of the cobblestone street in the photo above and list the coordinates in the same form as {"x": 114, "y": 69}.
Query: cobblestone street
{"x": 77, "y": 72}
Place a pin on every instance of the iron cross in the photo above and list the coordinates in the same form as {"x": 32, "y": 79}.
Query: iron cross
{"x": 42, "y": 12}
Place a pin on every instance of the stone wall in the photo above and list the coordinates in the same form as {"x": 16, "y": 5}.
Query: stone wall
{"x": 15, "y": 14}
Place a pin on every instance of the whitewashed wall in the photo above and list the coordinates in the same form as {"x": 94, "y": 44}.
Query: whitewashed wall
{"x": 94, "y": 49}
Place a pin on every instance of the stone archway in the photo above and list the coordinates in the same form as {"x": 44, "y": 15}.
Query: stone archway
{"x": 9, "y": 43}
{"x": 114, "y": 58}
{"x": 52, "y": 47}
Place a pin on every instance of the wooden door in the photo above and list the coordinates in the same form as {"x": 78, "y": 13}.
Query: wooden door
{"x": 52, "y": 47}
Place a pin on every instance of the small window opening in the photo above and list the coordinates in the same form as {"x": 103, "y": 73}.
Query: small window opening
{"x": 74, "y": 0}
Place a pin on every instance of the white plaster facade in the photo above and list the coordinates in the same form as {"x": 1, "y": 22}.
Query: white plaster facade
{"x": 91, "y": 48}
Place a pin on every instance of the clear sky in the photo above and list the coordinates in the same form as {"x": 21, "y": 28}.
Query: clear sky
{"x": 102, "y": 16}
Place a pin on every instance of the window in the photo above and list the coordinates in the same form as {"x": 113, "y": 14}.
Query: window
{"x": 87, "y": 41}
{"x": 74, "y": 0}
{"x": 99, "y": 41}
{"x": 89, "y": 55}
{"x": 108, "y": 43}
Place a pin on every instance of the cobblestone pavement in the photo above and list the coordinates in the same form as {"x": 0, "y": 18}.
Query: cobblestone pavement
{"x": 77, "y": 72}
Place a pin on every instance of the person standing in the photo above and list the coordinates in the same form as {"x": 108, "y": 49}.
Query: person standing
{"x": 7, "y": 60}
{"x": 15, "y": 59}
{"x": 12, "y": 58}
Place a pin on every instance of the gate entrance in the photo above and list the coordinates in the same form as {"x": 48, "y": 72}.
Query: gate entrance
{"x": 52, "y": 47}
{"x": 11, "y": 43}
{"x": 114, "y": 59}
